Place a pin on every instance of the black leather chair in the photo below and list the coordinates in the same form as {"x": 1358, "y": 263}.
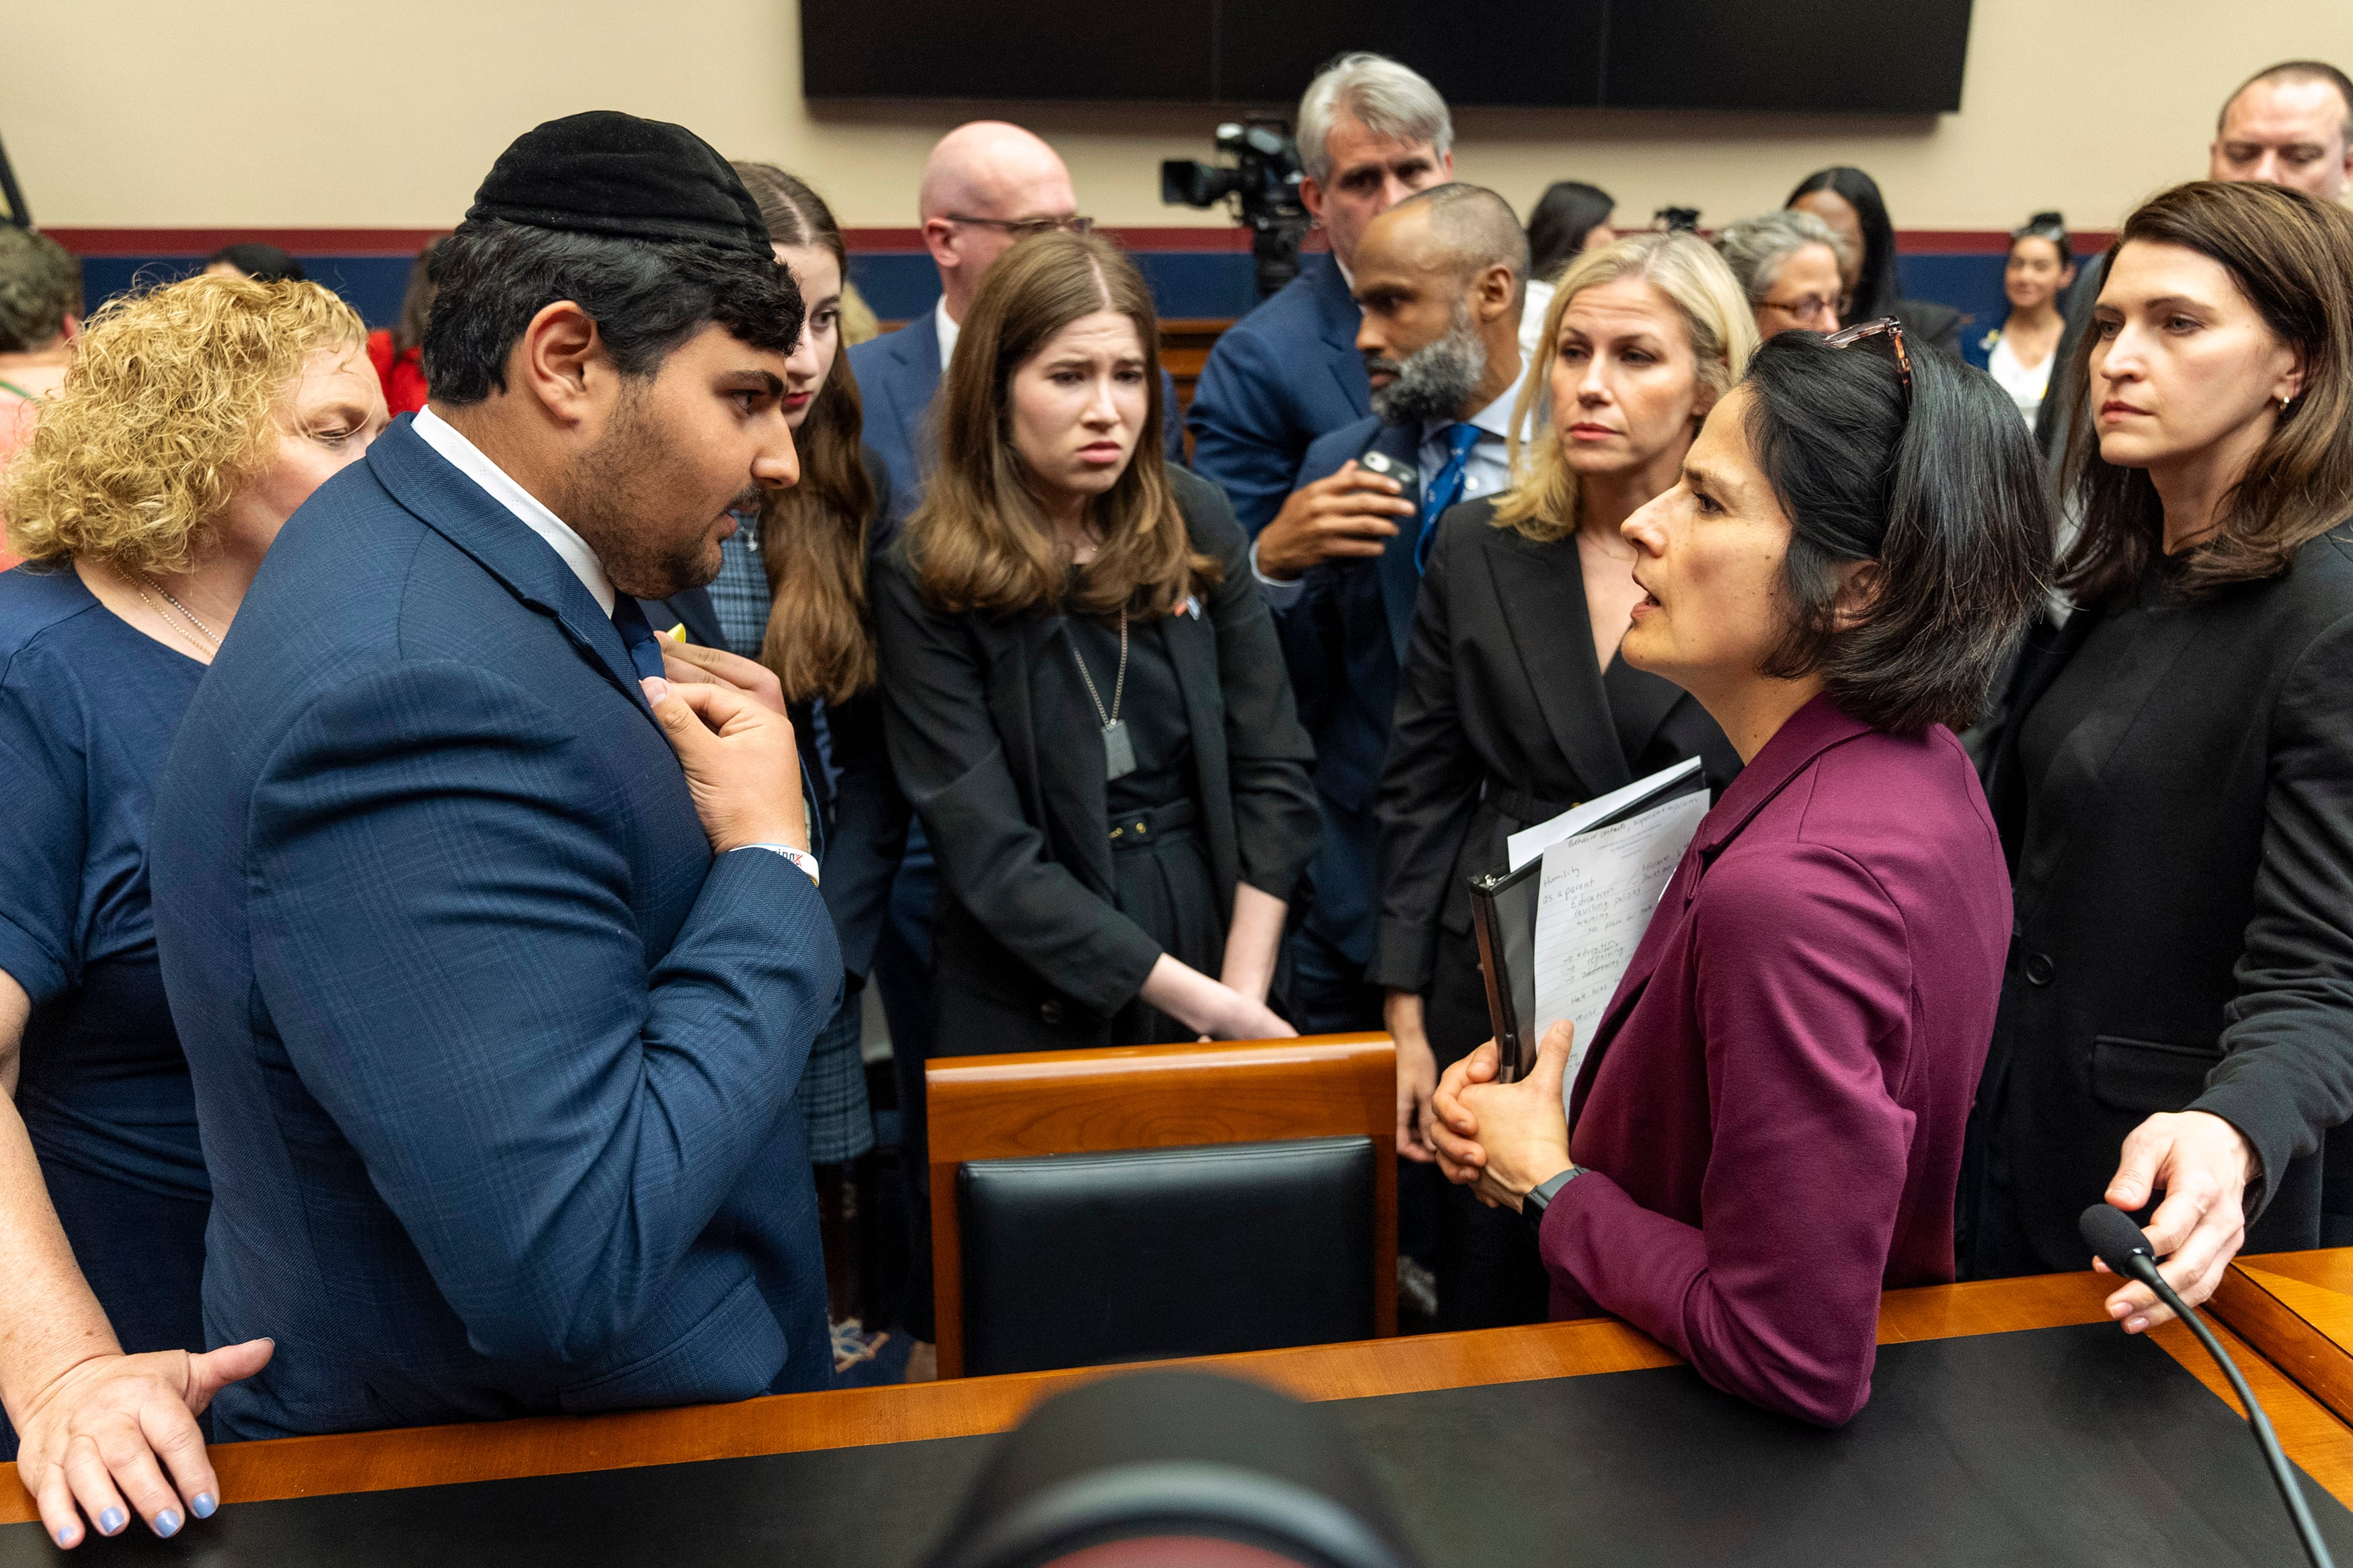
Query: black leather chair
{"x": 1147, "y": 1253}
{"x": 1091, "y": 1207}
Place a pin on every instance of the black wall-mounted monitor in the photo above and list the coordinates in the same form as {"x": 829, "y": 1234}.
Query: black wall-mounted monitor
{"x": 1834, "y": 55}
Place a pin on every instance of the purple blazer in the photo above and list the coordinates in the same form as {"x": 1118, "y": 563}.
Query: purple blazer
{"x": 1770, "y": 1117}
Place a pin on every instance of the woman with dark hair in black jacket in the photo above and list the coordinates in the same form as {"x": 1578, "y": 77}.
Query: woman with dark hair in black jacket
{"x": 1849, "y": 201}
{"x": 2174, "y": 784}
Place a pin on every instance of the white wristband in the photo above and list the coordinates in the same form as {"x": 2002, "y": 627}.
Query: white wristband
{"x": 800, "y": 858}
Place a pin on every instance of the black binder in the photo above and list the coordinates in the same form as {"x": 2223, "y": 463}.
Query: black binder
{"x": 1504, "y": 919}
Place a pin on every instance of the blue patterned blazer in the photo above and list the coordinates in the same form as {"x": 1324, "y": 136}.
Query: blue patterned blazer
{"x": 494, "y": 1061}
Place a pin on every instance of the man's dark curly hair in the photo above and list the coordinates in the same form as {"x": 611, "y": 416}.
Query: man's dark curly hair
{"x": 645, "y": 298}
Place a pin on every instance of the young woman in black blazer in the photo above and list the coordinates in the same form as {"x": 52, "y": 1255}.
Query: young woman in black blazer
{"x": 1082, "y": 692}
{"x": 2175, "y": 783}
{"x": 1512, "y": 705}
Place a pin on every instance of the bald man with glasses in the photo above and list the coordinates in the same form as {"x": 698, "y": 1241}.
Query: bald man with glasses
{"x": 987, "y": 186}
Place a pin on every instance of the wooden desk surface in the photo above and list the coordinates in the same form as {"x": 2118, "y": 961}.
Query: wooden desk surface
{"x": 2297, "y": 1307}
{"x": 432, "y": 1456}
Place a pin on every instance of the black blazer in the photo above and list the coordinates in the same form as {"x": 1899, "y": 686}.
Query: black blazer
{"x": 2184, "y": 895}
{"x": 995, "y": 744}
{"x": 1504, "y": 720}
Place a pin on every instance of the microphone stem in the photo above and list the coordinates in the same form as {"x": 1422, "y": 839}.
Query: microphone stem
{"x": 2265, "y": 1439}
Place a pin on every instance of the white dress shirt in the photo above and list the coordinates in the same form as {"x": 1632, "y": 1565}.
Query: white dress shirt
{"x": 467, "y": 459}
{"x": 946, "y": 325}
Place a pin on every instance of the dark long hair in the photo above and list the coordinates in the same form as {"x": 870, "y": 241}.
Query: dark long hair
{"x": 819, "y": 639}
{"x": 1946, "y": 495}
{"x": 979, "y": 539}
{"x": 416, "y": 301}
{"x": 1876, "y": 285}
{"x": 2049, "y": 226}
{"x": 1563, "y": 215}
{"x": 2291, "y": 256}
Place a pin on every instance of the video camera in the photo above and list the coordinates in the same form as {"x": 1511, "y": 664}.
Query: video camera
{"x": 1262, "y": 181}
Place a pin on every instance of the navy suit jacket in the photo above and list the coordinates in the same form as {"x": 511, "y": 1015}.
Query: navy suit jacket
{"x": 1344, "y": 640}
{"x": 1282, "y": 375}
{"x": 495, "y": 1062}
{"x": 897, "y": 375}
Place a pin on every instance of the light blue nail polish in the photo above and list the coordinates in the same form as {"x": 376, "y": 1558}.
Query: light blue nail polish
{"x": 111, "y": 1520}
{"x": 66, "y": 1538}
{"x": 203, "y": 1505}
{"x": 167, "y": 1523}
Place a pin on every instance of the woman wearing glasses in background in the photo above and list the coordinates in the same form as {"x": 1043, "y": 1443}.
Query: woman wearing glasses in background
{"x": 1849, "y": 201}
{"x": 2018, "y": 354}
{"x": 1082, "y": 691}
{"x": 1769, "y": 1121}
{"x": 2175, "y": 783}
{"x": 1790, "y": 266}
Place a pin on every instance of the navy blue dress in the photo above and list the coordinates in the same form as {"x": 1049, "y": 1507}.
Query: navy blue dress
{"x": 87, "y": 710}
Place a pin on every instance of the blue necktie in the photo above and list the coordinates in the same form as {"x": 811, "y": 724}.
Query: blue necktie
{"x": 1445, "y": 490}
{"x": 639, "y": 637}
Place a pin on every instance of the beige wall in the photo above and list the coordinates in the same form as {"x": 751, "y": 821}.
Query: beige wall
{"x": 134, "y": 113}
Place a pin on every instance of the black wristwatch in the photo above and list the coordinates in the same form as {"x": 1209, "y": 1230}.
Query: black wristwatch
{"x": 1532, "y": 1206}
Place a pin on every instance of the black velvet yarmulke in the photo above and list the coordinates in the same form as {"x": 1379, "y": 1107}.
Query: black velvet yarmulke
{"x": 612, "y": 174}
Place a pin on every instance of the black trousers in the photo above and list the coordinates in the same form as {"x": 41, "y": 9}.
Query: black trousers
{"x": 1490, "y": 1274}
{"x": 903, "y": 976}
{"x": 1327, "y": 993}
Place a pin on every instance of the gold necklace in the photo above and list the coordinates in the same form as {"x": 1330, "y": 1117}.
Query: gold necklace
{"x": 210, "y": 645}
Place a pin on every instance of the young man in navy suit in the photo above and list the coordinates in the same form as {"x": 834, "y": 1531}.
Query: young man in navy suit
{"x": 1441, "y": 279}
{"x": 1371, "y": 133}
{"x": 497, "y": 957}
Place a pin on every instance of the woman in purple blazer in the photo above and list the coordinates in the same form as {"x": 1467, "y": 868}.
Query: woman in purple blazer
{"x": 1768, "y": 1128}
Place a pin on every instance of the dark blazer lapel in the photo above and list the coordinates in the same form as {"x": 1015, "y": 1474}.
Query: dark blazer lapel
{"x": 1541, "y": 591}
{"x": 467, "y": 516}
{"x": 2088, "y": 748}
{"x": 1401, "y": 582}
{"x": 1337, "y": 313}
{"x": 1639, "y": 703}
{"x": 1065, "y": 754}
{"x": 1192, "y": 644}
{"x": 916, "y": 356}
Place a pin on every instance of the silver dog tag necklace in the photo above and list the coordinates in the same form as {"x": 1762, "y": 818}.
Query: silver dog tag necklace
{"x": 1119, "y": 747}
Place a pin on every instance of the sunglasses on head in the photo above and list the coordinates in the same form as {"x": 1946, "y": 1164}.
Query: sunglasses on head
{"x": 1886, "y": 326}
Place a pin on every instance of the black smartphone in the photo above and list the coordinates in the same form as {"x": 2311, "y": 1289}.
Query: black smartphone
{"x": 1408, "y": 478}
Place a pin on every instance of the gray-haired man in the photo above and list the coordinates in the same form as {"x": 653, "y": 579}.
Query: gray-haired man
{"x": 1371, "y": 133}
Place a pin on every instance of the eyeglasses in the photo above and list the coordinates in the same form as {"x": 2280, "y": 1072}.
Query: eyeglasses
{"x": 1891, "y": 329}
{"x": 1028, "y": 228}
{"x": 1812, "y": 305}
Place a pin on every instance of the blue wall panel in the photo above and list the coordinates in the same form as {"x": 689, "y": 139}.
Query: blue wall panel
{"x": 371, "y": 284}
{"x": 901, "y": 285}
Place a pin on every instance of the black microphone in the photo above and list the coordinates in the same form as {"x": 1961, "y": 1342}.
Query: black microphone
{"x": 2118, "y": 1243}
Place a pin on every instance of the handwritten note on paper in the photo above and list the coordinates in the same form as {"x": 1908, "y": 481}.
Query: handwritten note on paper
{"x": 1594, "y": 900}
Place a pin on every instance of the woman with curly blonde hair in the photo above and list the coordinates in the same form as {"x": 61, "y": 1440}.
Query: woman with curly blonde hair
{"x": 195, "y": 419}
